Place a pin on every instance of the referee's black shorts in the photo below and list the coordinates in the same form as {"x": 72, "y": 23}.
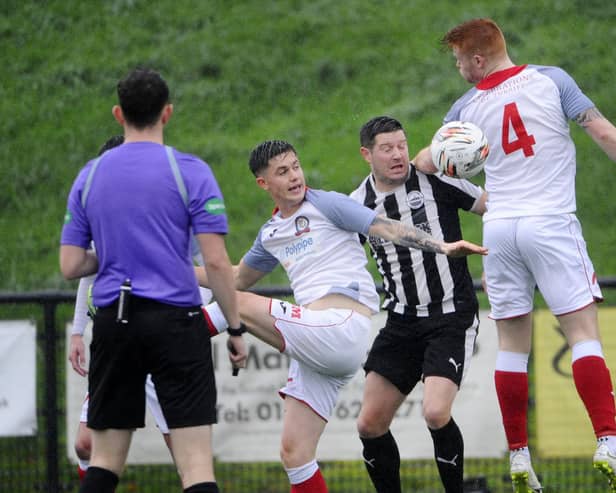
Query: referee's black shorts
{"x": 169, "y": 342}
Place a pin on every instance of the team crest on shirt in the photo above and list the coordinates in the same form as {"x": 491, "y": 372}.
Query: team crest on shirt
{"x": 415, "y": 199}
{"x": 302, "y": 225}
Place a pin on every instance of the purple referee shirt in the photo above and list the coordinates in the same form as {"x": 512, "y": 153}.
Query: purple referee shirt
{"x": 140, "y": 223}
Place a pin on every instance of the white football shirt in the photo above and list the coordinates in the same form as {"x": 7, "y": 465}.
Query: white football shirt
{"x": 319, "y": 248}
{"x": 524, "y": 112}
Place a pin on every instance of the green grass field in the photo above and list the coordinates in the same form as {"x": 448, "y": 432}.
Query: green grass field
{"x": 243, "y": 72}
{"x": 240, "y": 72}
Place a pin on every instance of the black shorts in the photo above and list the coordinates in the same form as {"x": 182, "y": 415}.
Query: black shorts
{"x": 169, "y": 342}
{"x": 409, "y": 349}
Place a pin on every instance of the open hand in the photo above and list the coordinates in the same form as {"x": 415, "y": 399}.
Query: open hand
{"x": 463, "y": 248}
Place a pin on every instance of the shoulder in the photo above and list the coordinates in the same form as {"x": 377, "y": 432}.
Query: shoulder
{"x": 572, "y": 99}
{"x": 320, "y": 197}
{"x": 187, "y": 161}
{"x": 341, "y": 210}
{"x": 553, "y": 72}
{"x": 461, "y": 102}
{"x": 360, "y": 192}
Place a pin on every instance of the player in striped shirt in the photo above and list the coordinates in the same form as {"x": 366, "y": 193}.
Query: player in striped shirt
{"x": 432, "y": 308}
{"x": 313, "y": 236}
{"x": 531, "y": 228}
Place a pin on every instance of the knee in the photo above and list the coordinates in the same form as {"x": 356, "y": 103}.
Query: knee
{"x": 371, "y": 426}
{"x": 290, "y": 454}
{"x": 83, "y": 447}
{"x": 436, "y": 415}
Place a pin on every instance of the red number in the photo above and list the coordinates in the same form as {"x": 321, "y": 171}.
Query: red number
{"x": 512, "y": 118}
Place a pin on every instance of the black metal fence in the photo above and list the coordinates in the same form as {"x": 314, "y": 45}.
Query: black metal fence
{"x": 39, "y": 463}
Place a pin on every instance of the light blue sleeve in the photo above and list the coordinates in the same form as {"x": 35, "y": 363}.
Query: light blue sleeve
{"x": 258, "y": 257}
{"x": 342, "y": 210}
{"x": 572, "y": 99}
{"x": 454, "y": 112}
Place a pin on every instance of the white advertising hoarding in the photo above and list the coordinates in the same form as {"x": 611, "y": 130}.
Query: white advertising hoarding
{"x": 17, "y": 378}
{"x": 250, "y": 410}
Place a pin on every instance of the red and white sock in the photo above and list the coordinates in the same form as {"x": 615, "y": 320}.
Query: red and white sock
{"x": 82, "y": 467}
{"x": 511, "y": 381}
{"x": 214, "y": 319}
{"x": 307, "y": 479}
{"x": 594, "y": 385}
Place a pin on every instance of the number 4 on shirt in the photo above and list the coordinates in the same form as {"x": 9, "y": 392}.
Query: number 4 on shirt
{"x": 512, "y": 119}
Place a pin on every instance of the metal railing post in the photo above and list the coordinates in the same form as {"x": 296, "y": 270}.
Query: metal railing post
{"x": 51, "y": 395}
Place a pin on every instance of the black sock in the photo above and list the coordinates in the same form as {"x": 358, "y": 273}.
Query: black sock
{"x": 98, "y": 480}
{"x": 449, "y": 455}
{"x": 382, "y": 461}
{"x": 202, "y": 488}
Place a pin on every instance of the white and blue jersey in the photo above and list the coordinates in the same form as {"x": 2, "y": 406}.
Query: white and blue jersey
{"x": 318, "y": 247}
{"x": 525, "y": 112}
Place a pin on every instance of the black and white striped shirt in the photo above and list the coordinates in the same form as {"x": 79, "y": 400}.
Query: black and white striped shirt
{"x": 418, "y": 283}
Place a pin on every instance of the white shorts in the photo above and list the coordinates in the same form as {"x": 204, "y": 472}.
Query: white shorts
{"x": 151, "y": 400}
{"x": 206, "y": 295}
{"x": 326, "y": 347}
{"x": 548, "y": 252}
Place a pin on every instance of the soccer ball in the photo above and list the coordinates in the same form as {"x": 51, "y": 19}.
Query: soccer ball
{"x": 459, "y": 149}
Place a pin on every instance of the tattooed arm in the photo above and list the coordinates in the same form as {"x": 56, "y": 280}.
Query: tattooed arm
{"x": 600, "y": 129}
{"x": 411, "y": 237}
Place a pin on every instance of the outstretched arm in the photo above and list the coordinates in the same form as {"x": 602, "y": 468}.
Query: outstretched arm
{"x": 220, "y": 279}
{"x": 600, "y": 129}
{"x": 411, "y": 237}
{"x": 243, "y": 276}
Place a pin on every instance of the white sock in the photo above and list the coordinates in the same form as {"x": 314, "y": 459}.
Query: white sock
{"x": 512, "y": 362}
{"x": 521, "y": 450}
{"x": 610, "y": 441}
{"x": 302, "y": 473}
{"x": 591, "y": 347}
{"x": 216, "y": 317}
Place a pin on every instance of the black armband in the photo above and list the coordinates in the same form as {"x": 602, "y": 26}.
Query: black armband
{"x": 237, "y": 332}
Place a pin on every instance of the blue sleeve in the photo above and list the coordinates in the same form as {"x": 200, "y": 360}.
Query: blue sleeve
{"x": 259, "y": 258}
{"x": 572, "y": 99}
{"x": 342, "y": 210}
{"x": 454, "y": 112}
{"x": 76, "y": 230}
{"x": 205, "y": 201}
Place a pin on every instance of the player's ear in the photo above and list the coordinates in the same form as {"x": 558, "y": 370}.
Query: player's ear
{"x": 366, "y": 154}
{"x": 167, "y": 112}
{"x": 116, "y": 111}
{"x": 262, "y": 182}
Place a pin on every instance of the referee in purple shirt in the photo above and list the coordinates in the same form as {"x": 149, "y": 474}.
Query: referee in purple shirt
{"x": 139, "y": 203}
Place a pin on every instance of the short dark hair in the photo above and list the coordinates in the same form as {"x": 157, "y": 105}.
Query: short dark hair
{"x": 375, "y": 126}
{"x": 112, "y": 142}
{"x": 260, "y": 155}
{"x": 142, "y": 95}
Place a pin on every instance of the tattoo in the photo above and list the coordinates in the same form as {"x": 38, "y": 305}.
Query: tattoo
{"x": 409, "y": 236}
{"x": 587, "y": 116}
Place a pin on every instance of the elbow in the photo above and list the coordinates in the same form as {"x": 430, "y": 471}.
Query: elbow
{"x": 70, "y": 260}
{"x": 68, "y": 273}
{"x": 69, "y": 269}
